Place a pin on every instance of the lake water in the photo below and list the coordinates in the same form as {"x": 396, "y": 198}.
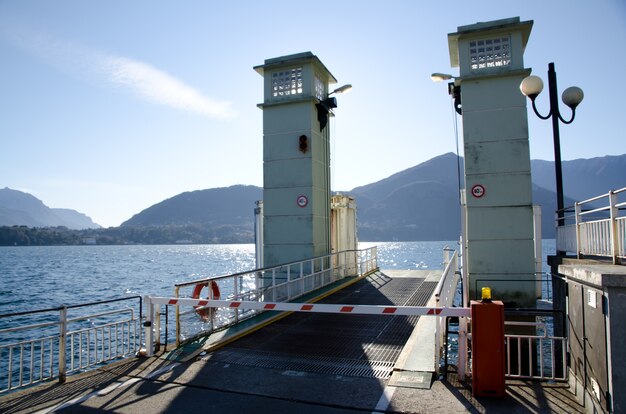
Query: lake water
{"x": 49, "y": 276}
{"x": 34, "y": 278}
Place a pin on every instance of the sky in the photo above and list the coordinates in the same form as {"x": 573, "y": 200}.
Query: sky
{"x": 109, "y": 107}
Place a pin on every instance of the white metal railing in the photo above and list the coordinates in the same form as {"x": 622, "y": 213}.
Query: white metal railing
{"x": 596, "y": 231}
{"x": 539, "y": 356}
{"x": 280, "y": 283}
{"x": 93, "y": 346}
{"x": 445, "y": 291}
{"x": 444, "y": 294}
{"x": 36, "y": 352}
{"x": 535, "y": 356}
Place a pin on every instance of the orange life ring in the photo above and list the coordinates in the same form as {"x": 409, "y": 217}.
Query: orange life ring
{"x": 205, "y": 313}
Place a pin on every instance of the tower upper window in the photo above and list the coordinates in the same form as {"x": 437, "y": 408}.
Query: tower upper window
{"x": 287, "y": 82}
{"x": 320, "y": 90}
{"x": 490, "y": 53}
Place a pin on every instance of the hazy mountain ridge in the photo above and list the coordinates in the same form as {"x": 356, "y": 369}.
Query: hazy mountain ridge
{"x": 215, "y": 206}
{"x": 583, "y": 178}
{"x": 23, "y": 209}
{"x": 419, "y": 203}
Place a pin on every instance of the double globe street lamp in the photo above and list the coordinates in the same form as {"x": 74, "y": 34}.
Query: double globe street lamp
{"x": 531, "y": 87}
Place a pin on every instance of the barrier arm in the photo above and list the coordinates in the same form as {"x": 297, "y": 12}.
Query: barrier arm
{"x": 307, "y": 307}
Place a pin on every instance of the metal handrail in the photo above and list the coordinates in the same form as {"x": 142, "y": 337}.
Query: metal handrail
{"x": 444, "y": 294}
{"x": 283, "y": 282}
{"x": 601, "y": 196}
{"x": 267, "y": 268}
{"x": 539, "y": 357}
{"x": 44, "y": 356}
{"x": 451, "y": 267}
{"x": 539, "y": 349}
{"x": 590, "y": 235}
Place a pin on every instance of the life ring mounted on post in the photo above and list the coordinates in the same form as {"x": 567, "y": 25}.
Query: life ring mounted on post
{"x": 203, "y": 312}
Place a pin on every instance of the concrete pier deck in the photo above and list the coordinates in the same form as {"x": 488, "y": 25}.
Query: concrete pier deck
{"x": 304, "y": 363}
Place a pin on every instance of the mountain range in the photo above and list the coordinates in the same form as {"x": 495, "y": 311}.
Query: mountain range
{"x": 583, "y": 178}
{"x": 419, "y": 203}
{"x": 20, "y": 208}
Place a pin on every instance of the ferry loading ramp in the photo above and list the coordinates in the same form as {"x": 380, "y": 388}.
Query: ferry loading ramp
{"x": 305, "y": 363}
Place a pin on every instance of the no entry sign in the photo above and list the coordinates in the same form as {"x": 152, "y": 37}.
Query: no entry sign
{"x": 478, "y": 190}
{"x": 302, "y": 201}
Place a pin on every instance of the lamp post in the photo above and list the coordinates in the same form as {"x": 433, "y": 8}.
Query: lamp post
{"x": 324, "y": 108}
{"x": 531, "y": 87}
{"x": 342, "y": 89}
{"x": 328, "y": 104}
{"x": 454, "y": 88}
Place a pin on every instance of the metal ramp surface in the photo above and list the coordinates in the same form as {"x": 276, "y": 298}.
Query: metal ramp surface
{"x": 347, "y": 345}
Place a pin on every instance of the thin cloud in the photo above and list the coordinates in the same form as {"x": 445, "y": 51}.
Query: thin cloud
{"x": 157, "y": 86}
{"x": 141, "y": 79}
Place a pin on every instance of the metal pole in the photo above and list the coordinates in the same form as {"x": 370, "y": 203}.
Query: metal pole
{"x": 614, "y": 229}
{"x": 554, "y": 111}
{"x": 177, "y": 294}
{"x": 62, "y": 344}
{"x": 148, "y": 332}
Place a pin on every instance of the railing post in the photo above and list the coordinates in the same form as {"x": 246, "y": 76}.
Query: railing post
{"x": 176, "y": 294}
{"x": 237, "y": 296}
{"x": 462, "y": 362}
{"x": 157, "y": 329}
{"x": 446, "y": 256}
{"x": 375, "y": 256}
{"x": 288, "y": 282}
{"x": 211, "y": 310}
{"x": 274, "y": 285}
{"x": 577, "y": 211}
{"x": 364, "y": 260}
{"x": 613, "y": 226}
{"x": 148, "y": 332}
{"x": 62, "y": 343}
{"x": 438, "y": 331}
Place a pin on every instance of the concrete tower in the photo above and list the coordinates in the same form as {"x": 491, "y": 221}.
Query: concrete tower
{"x": 500, "y": 248}
{"x": 296, "y": 158}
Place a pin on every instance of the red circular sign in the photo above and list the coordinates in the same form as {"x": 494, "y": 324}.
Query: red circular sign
{"x": 302, "y": 201}
{"x": 478, "y": 190}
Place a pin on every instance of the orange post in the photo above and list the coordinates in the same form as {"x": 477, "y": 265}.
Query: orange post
{"x": 488, "y": 350}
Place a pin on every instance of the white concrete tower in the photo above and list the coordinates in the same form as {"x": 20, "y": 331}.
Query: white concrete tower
{"x": 296, "y": 158}
{"x": 500, "y": 248}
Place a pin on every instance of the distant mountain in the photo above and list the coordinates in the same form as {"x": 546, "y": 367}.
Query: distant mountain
{"x": 583, "y": 178}
{"x": 420, "y": 203}
{"x": 232, "y": 206}
{"x": 75, "y": 219}
{"x": 23, "y": 209}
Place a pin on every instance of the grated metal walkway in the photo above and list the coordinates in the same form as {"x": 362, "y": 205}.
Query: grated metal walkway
{"x": 349, "y": 345}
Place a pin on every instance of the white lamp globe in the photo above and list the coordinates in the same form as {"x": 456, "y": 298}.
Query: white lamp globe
{"x": 531, "y": 86}
{"x": 572, "y": 96}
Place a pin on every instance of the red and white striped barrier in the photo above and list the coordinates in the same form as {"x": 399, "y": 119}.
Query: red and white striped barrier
{"x": 314, "y": 307}
{"x": 151, "y": 302}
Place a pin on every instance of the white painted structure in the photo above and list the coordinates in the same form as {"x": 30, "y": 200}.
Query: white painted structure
{"x": 499, "y": 215}
{"x": 343, "y": 230}
{"x": 296, "y": 159}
